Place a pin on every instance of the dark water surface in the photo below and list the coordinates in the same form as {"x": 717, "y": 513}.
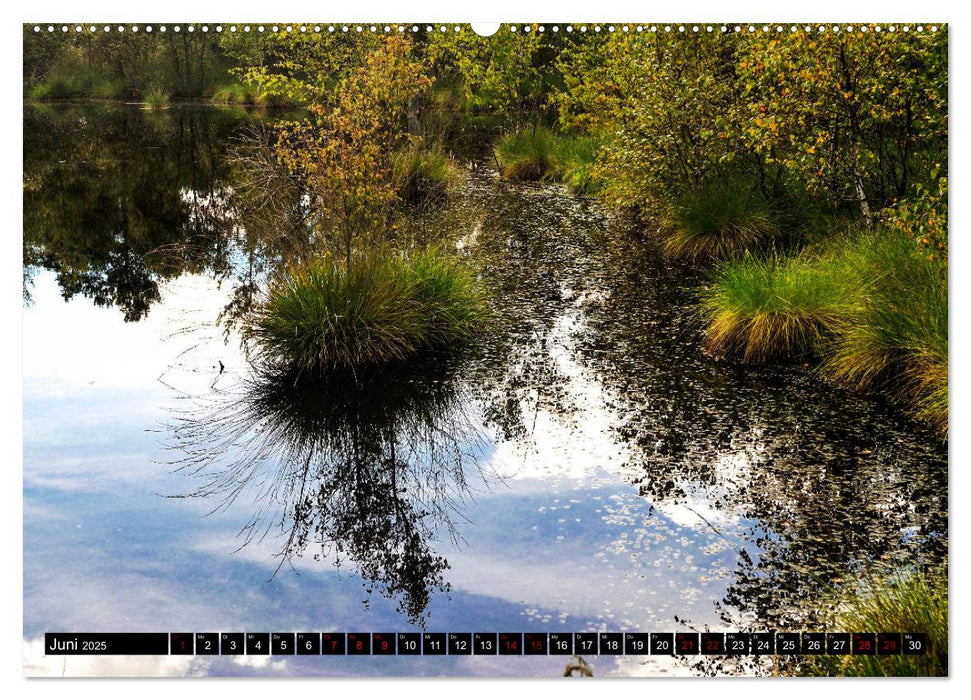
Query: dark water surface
{"x": 587, "y": 468}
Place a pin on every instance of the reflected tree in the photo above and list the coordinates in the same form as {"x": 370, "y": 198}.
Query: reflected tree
{"x": 366, "y": 469}
{"x": 116, "y": 201}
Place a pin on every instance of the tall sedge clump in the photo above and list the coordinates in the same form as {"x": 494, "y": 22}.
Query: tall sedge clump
{"x": 761, "y": 310}
{"x": 897, "y": 338}
{"x": 872, "y": 306}
{"x": 723, "y": 217}
{"x": 321, "y": 316}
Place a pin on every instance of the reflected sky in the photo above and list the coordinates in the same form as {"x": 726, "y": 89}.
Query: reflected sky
{"x": 105, "y": 550}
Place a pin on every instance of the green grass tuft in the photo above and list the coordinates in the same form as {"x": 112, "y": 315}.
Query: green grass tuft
{"x": 767, "y": 309}
{"x": 386, "y": 308}
{"x": 422, "y": 173}
{"x": 74, "y": 81}
{"x": 724, "y": 217}
{"x": 526, "y": 155}
{"x": 872, "y": 306}
{"x": 535, "y": 154}
{"x": 155, "y": 98}
{"x": 897, "y": 339}
{"x": 908, "y": 601}
{"x": 236, "y": 94}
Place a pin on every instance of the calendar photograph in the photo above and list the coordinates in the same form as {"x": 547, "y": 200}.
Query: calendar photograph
{"x": 514, "y": 350}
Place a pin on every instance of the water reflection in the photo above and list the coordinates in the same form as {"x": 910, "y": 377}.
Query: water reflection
{"x": 367, "y": 469}
{"x": 806, "y": 484}
{"x": 117, "y": 199}
{"x": 834, "y": 483}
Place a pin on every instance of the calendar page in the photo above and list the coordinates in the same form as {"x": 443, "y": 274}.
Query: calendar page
{"x": 525, "y": 349}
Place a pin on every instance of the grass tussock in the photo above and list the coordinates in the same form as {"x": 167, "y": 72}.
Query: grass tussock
{"x": 246, "y": 95}
{"x": 155, "y": 98}
{"x": 236, "y": 94}
{"x": 422, "y": 173}
{"x": 897, "y": 339}
{"x": 526, "y": 155}
{"x": 761, "y": 310}
{"x": 724, "y": 217}
{"x": 69, "y": 82}
{"x": 537, "y": 154}
{"x": 904, "y": 602}
{"x": 384, "y": 309}
{"x": 872, "y": 307}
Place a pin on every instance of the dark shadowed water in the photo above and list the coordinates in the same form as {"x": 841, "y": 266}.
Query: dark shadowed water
{"x": 586, "y": 468}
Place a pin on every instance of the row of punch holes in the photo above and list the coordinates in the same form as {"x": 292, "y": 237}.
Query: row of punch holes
{"x": 525, "y": 28}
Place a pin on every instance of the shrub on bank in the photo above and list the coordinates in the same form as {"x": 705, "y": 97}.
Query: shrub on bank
{"x": 383, "y": 309}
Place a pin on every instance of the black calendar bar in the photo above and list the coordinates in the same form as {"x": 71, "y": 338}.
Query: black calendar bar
{"x": 486, "y": 643}
{"x": 107, "y": 643}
